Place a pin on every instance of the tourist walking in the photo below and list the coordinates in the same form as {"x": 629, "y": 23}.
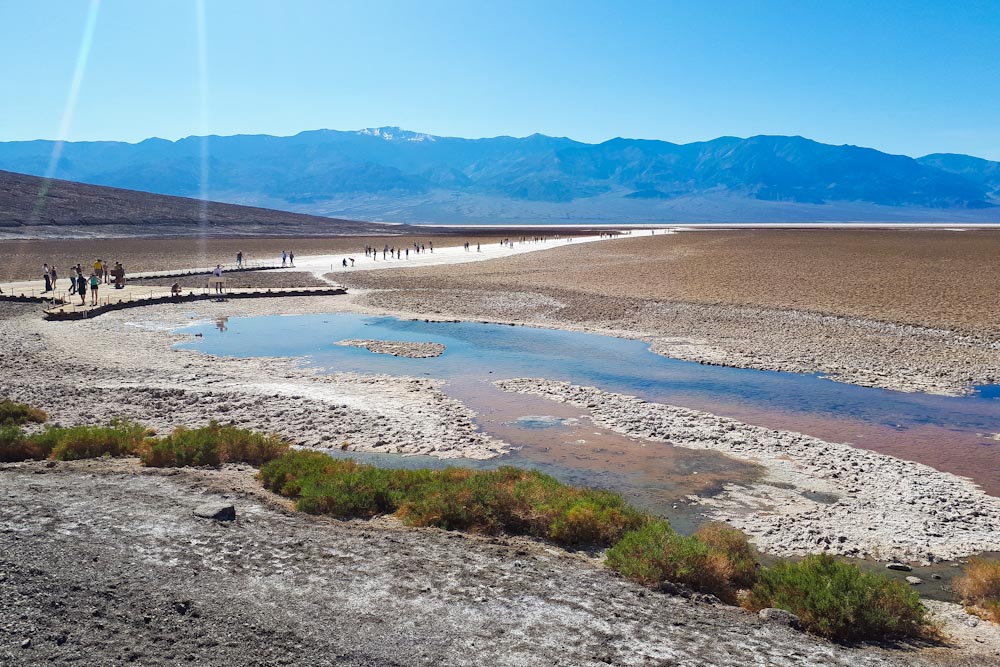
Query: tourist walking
{"x": 239, "y": 259}
{"x": 48, "y": 277}
{"x": 284, "y": 258}
{"x": 54, "y": 276}
{"x": 291, "y": 259}
{"x": 72, "y": 280}
{"x": 98, "y": 267}
{"x": 95, "y": 282}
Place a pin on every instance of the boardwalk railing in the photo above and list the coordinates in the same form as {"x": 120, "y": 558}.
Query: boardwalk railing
{"x": 142, "y": 299}
{"x": 15, "y": 290}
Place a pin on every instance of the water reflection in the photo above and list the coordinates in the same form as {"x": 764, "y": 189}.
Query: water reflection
{"x": 949, "y": 433}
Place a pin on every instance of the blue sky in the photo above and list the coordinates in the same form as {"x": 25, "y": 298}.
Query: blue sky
{"x": 904, "y": 77}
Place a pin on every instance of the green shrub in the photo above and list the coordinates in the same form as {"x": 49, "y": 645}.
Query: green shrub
{"x": 508, "y": 499}
{"x": 837, "y": 600}
{"x": 717, "y": 559}
{"x": 15, "y": 446}
{"x": 729, "y": 547}
{"x": 18, "y": 414}
{"x": 120, "y": 437}
{"x": 183, "y": 447}
{"x": 287, "y": 473}
{"x": 519, "y": 501}
{"x": 341, "y": 488}
{"x": 240, "y": 445}
{"x": 979, "y": 587}
{"x": 211, "y": 445}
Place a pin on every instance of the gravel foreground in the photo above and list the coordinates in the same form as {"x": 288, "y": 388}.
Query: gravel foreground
{"x": 281, "y": 588}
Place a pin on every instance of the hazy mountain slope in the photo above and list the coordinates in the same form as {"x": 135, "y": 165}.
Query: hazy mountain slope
{"x": 32, "y": 207}
{"x": 982, "y": 172}
{"x": 399, "y": 175}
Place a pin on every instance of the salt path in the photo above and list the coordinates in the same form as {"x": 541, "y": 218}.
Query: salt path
{"x": 319, "y": 265}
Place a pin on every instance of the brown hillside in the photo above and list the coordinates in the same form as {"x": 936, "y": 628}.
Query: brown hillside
{"x": 32, "y": 207}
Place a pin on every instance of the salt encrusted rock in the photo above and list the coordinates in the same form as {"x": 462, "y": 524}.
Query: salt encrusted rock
{"x": 914, "y": 581}
{"x": 216, "y": 511}
{"x": 896, "y": 565}
{"x": 397, "y": 348}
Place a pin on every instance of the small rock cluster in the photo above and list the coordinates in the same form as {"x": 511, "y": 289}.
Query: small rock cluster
{"x": 397, "y": 348}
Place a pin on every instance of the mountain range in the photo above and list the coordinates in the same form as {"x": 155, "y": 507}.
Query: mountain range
{"x": 397, "y": 175}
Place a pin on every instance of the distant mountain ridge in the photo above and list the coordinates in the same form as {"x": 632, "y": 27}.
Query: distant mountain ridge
{"x": 407, "y": 176}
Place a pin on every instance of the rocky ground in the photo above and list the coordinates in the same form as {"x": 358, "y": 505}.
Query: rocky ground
{"x": 818, "y": 496}
{"x": 102, "y": 562}
{"x": 398, "y": 348}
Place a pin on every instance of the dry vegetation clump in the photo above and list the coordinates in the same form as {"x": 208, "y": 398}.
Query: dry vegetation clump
{"x": 979, "y": 587}
{"x": 511, "y": 500}
{"x": 838, "y": 601}
{"x": 18, "y": 414}
{"x": 211, "y": 445}
{"x": 716, "y": 559}
{"x": 15, "y": 446}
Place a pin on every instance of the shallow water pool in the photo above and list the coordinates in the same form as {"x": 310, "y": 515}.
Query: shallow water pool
{"x": 949, "y": 433}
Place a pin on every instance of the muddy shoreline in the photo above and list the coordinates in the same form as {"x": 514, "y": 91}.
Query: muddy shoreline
{"x": 817, "y": 496}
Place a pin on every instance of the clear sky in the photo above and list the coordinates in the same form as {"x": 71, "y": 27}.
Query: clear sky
{"x": 904, "y": 77}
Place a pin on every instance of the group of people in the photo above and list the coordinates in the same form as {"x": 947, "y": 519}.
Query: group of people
{"x": 80, "y": 283}
{"x": 394, "y": 252}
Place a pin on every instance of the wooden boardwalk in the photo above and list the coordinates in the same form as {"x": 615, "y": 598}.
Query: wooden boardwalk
{"x": 59, "y": 304}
